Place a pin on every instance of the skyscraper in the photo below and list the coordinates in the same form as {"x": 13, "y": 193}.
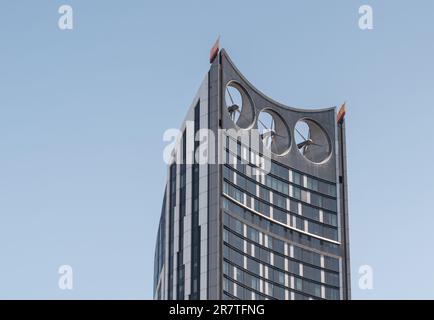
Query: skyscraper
{"x": 255, "y": 205}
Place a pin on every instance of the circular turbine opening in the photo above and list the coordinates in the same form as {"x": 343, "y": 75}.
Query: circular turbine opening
{"x": 312, "y": 141}
{"x": 273, "y": 132}
{"x": 239, "y": 105}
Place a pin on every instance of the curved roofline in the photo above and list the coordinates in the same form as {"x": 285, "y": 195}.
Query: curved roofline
{"x": 296, "y": 109}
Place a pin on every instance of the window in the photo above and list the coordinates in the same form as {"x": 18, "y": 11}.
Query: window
{"x": 255, "y": 204}
{"x": 315, "y": 185}
{"x": 316, "y": 200}
{"x": 195, "y": 204}
{"x": 264, "y": 194}
{"x": 276, "y": 184}
{"x": 307, "y": 256}
{"x": 312, "y": 288}
{"x": 225, "y": 284}
{"x": 279, "y": 261}
{"x": 264, "y": 255}
{"x": 332, "y": 279}
{"x": 236, "y": 194}
{"x": 327, "y": 188}
{"x": 298, "y": 296}
{"x": 312, "y": 184}
{"x": 315, "y": 228}
{"x": 251, "y": 187}
{"x": 236, "y": 242}
{"x": 296, "y": 193}
{"x": 279, "y": 201}
{"x": 331, "y": 263}
{"x": 240, "y": 275}
{"x": 241, "y": 181}
{"x": 263, "y": 208}
{"x": 296, "y": 178}
{"x": 330, "y": 233}
{"x": 293, "y": 206}
{"x": 225, "y": 235}
{"x": 227, "y": 173}
{"x": 279, "y": 293}
{"x": 238, "y": 226}
{"x": 311, "y": 257}
{"x": 299, "y": 223}
{"x": 330, "y": 218}
{"x": 317, "y": 290}
{"x": 228, "y": 157}
{"x": 312, "y": 273}
{"x": 253, "y": 234}
{"x": 226, "y": 252}
{"x": 279, "y": 277}
{"x": 278, "y": 245}
{"x": 279, "y": 215}
{"x": 310, "y": 212}
{"x": 283, "y": 187}
{"x": 332, "y": 190}
{"x": 294, "y": 267}
{"x": 331, "y": 294}
{"x": 236, "y": 258}
{"x": 270, "y": 242}
{"x": 240, "y": 292}
{"x": 329, "y": 204}
{"x": 270, "y": 288}
{"x": 225, "y": 268}
{"x": 254, "y": 283}
{"x": 253, "y": 266}
{"x": 298, "y": 284}
{"x": 225, "y": 188}
{"x": 279, "y": 171}
{"x": 235, "y": 225}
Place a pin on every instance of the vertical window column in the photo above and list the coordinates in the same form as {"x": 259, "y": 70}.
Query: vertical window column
{"x": 182, "y": 196}
{"x": 171, "y": 226}
{"x": 195, "y": 228}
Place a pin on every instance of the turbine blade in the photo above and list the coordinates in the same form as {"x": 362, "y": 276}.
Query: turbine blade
{"x": 318, "y": 145}
{"x": 259, "y": 120}
{"x": 301, "y": 134}
{"x": 230, "y": 96}
{"x": 303, "y": 144}
{"x": 278, "y": 135}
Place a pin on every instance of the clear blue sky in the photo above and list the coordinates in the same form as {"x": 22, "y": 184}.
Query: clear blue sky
{"x": 82, "y": 115}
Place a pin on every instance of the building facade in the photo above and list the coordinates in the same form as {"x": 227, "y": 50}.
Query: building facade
{"x": 265, "y": 216}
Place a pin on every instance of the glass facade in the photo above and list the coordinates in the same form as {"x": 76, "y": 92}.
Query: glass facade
{"x": 160, "y": 249}
{"x": 280, "y": 233}
{"x": 292, "y": 204}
